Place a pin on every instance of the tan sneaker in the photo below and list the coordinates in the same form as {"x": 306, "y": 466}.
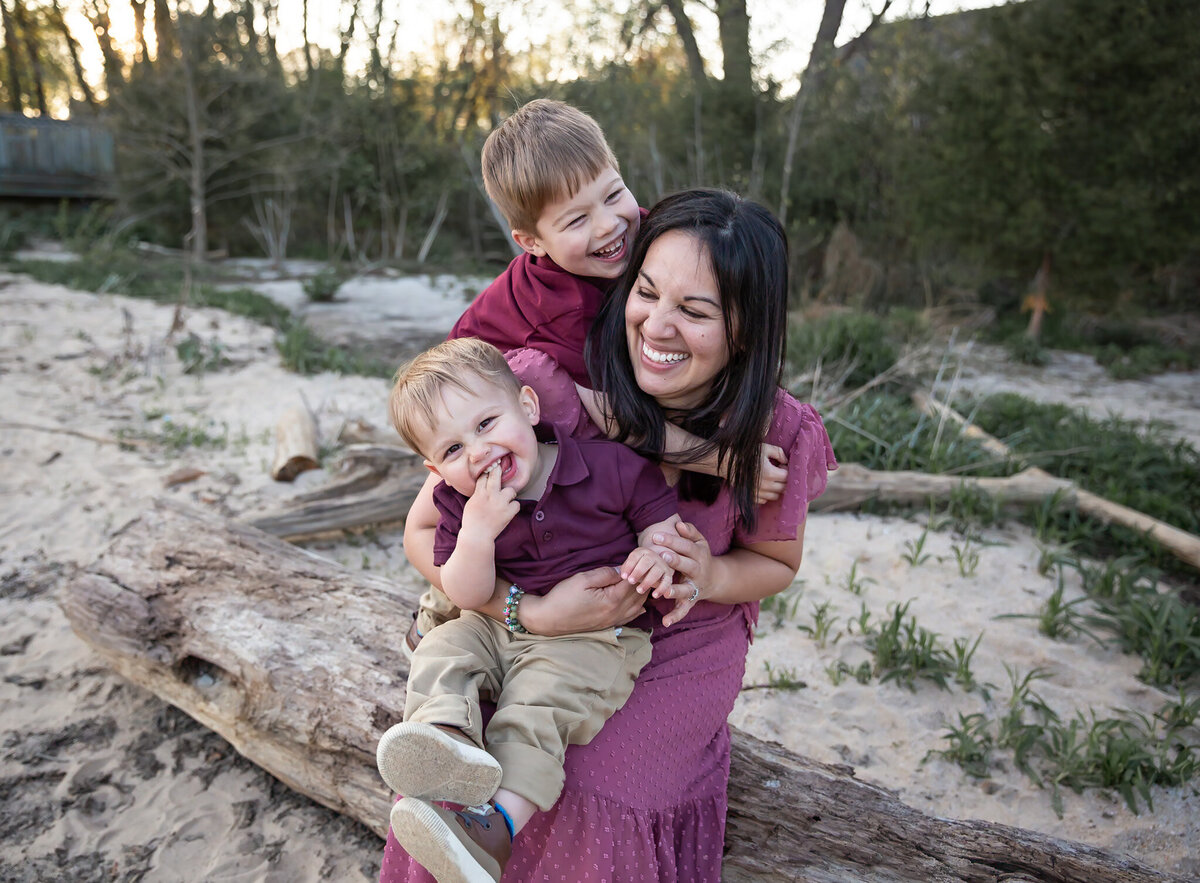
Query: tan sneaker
{"x": 434, "y": 763}
{"x": 456, "y": 847}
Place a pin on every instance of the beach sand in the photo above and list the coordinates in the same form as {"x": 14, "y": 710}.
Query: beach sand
{"x": 100, "y": 780}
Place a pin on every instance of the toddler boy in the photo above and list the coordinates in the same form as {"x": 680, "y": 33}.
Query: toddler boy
{"x": 533, "y": 512}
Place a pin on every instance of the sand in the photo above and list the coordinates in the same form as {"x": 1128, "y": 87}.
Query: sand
{"x": 100, "y": 780}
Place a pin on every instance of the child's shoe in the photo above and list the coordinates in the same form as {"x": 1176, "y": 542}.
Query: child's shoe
{"x": 431, "y": 763}
{"x": 456, "y": 847}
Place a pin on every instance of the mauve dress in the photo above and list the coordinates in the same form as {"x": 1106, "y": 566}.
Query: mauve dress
{"x": 646, "y": 799}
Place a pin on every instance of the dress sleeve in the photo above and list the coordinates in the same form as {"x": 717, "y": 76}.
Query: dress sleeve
{"x": 797, "y": 428}
{"x": 557, "y": 396}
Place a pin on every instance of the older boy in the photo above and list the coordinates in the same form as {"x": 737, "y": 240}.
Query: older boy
{"x": 514, "y": 505}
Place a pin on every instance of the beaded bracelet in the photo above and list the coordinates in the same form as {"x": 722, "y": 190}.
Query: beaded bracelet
{"x": 510, "y": 611}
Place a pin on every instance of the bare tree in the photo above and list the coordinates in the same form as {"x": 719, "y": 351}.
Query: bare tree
{"x": 28, "y": 32}
{"x": 114, "y": 63}
{"x": 60, "y": 22}
{"x": 821, "y": 59}
{"x": 16, "y": 101}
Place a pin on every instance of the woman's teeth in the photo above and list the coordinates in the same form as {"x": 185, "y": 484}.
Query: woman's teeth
{"x": 661, "y": 358}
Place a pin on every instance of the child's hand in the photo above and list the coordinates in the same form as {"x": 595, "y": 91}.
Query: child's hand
{"x": 772, "y": 474}
{"x": 491, "y": 507}
{"x": 645, "y": 570}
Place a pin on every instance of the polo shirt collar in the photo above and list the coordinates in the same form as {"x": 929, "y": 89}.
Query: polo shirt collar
{"x": 570, "y": 466}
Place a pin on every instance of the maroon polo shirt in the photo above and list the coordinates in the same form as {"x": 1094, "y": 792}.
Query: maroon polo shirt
{"x": 538, "y": 304}
{"x": 599, "y": 497}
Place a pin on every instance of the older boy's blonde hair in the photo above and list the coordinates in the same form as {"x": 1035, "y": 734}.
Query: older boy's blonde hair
{"x": 464, "y": 363}
{"x": 543, "y": 152}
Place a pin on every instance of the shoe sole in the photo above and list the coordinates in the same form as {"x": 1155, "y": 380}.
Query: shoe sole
{"x": 419, "y": 760}
{"x": 431, "y": 843}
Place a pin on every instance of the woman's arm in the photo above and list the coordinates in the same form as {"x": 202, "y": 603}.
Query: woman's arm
{"x": 772, "y": 473}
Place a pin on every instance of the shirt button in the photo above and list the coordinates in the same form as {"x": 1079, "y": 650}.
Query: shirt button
{"x": 547, "y": 536}
{"x": 539, "y": 515}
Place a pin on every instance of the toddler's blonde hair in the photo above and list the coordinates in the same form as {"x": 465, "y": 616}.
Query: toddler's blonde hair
{"x": 464, "y": 363}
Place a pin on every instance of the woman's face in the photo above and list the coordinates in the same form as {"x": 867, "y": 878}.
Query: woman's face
{"x": 675, "y": 323}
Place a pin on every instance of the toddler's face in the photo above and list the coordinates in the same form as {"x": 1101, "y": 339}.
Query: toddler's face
{"x": 591, "y": 232}
{"x": 476, "y": 432}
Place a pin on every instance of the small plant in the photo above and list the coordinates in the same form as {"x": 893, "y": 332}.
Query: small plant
{"x": 1027, "y": 350}
{"x": 837, "y": 672}
{"x": 855, "y": 583}
{"x": 915, "y": 555}
{"x": 964, "y": 651}
{"x": 198, "y": 357}
{"x": 1058, "y": 619}
{"x": 967, "y": 557}
{"x": 177, "y": 436}
{"x": 862, "y": 621}
{"x": 323, "y": 287}
{"x": 822, "y": 624}
{"x": 968, "y": 507}
{"x": 971, "y": 745}
{"x": 782, "y": 679}
{"x": 783, "y": 605}
{"x": 905, "y": 651}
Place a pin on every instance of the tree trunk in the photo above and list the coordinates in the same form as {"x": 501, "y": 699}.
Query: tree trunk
{"x": 297, "y": 663}
{"x": 29, "y": 34}
{"x": 60, "y": 22}
{"x": 139, "y": 29}
{"x": 15, "y": 98}
{"x": 114, "y": 66}
{"x": 691, "y": 50}
{"x": 164, "y": 33}
{"x": 819, "y": 58}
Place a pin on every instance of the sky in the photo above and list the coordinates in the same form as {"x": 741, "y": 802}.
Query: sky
{"x": 782, "y": 31}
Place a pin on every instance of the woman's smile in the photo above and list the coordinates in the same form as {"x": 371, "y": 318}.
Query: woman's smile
{"x": 675, "y": 322}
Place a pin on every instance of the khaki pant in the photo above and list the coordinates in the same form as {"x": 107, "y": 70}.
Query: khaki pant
{"x": 433, "y": 609}
{"x": 550, "y": 692}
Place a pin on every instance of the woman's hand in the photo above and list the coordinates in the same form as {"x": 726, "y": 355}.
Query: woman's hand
{"x": 772, "y": 474}
{"x": 586, "y": 602}
{"x": 687, "y": 551}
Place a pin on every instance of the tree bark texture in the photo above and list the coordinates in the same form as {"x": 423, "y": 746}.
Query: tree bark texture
{"x": 297, "y": 663}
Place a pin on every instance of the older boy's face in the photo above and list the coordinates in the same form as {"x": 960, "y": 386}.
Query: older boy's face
{"x": 589, "y": 233}
{"x": 477, "y": 432}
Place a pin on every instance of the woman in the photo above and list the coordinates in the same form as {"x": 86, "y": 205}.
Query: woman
{"x": 693, "y": 334}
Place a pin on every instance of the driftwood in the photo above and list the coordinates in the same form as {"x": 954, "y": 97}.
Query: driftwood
{"x": 372, "y": 484}
{"x": 1179, "y": 542}
{"x": 376, "y": 483}
{"x": 295, "y": 444}
{"x": 297, "y": 663}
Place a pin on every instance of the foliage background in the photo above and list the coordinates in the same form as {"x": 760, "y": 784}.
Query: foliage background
{"x": 924, "y": 160}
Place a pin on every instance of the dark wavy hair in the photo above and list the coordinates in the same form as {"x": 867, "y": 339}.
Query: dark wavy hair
{"x": 747, "y": 252}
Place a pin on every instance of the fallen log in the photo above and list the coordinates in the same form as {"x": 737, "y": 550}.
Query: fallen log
{"x": 296, "y": 662}
{"x": 372, "y": 484}
{"x": 295, "y": 444}
{"x": 1180, "y": 543}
